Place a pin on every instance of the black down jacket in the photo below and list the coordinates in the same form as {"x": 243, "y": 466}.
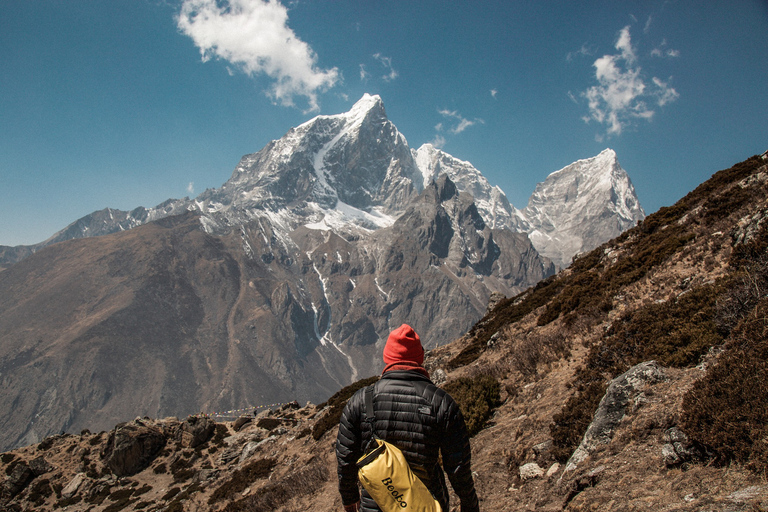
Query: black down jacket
{"x": 420, "y": 419}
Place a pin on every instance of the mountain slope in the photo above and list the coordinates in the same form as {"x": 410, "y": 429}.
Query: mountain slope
{"x": 620, "y": 298}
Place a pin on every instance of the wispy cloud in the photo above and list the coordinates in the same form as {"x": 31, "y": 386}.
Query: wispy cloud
{"x": 664, "y": 52}
{"x": 581, "y": 52}
{"x": 438, "y": 141}
{"x": 459, "y": 122}
{"x": 364, "y": 74}
{"x": 454, "y": 124}
{"x": 253, "y": 36}
{"x": 494, "y": 92}
{"x": 191, "y": 188}
{"x": 386, "y": 62}
{"x": 622, "y": 94}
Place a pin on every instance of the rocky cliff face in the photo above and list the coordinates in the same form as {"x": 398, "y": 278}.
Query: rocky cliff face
{"x": 581, "y": 206}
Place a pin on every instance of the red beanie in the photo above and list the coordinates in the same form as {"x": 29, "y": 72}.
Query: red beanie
{"x": 403, "y": 345}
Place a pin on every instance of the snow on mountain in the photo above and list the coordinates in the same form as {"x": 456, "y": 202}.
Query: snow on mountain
{"x": 491, "y": 202}
{"x": 354, "y": 172}
{"x": 580, "y": 207}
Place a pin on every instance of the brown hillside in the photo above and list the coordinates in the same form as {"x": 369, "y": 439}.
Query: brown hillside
{"x": 582, "y": 421}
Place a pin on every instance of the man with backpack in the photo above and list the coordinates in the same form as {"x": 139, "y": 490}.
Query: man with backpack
{"x": 416, "y": 416}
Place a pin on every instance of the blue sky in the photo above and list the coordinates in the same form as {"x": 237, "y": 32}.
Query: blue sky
{"x": 126, "y": 103}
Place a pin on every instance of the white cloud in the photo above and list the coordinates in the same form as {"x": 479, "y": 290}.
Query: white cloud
{"x": 191, "y": 188}
{"x": 438, "y": 141}
{"x": 494, "y": 92}
{"x": 665, "y": 93}
{"x": 364, "y": 75}
{"x": 254, "y": 36}
{"x": 581, "y": 52}
{"x": 647, "y": 27}
{"x": 622, "y": 94}
{"x": 663, "y": 52}
{"x": 461, "y": 123}
{"x": 391, "y": 74}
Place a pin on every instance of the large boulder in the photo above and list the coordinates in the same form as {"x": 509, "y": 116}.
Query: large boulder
{"x": 132, "y": 446}
{"x": 18, "y": 479}
{"x": 196, "y": 430}
{"x": 613, "y": 406}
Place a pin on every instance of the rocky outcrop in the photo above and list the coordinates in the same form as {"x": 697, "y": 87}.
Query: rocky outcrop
{"x": 621, "y": 392}
{"x": 132, "y": 446}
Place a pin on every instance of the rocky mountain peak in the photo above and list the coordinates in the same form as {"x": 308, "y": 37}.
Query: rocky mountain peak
{"x": 579, "y": 204}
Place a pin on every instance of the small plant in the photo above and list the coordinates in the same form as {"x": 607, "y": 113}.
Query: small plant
{"x": 337, "y": 402}
{"x": 242, "y": 478}
{"x": 477, "y": 398}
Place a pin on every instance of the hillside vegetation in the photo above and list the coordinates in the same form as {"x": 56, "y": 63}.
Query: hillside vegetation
{"x": 634, "y": 379}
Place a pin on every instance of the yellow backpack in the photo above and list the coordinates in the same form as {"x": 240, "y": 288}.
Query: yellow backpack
{"x": 385, "y": 474}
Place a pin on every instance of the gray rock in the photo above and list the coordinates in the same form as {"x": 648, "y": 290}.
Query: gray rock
{"x": 196, "y": 430}
{"x": 677, "y": 447}
{"x": 530, "y": 471}
{"x": 73, "y": 486}
{"x": 613, "y": 406}
{"x": 132, "y": 446}
{"x": 241, "y": 421}
{"x": 20, "y": 477}
{"x": 39, "y": 466}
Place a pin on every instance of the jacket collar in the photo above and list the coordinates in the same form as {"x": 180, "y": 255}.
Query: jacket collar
{"x": 405, "y": 375}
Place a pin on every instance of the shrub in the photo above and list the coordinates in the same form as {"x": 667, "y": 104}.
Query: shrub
{"x": 242, "y": 478}
{"x": 534, "y": 349}
{"x": 726, "y": 412}
{"x": 675, "y": 333}
{"x": 477, "y": 398}
{"x": 569, "y": 425}
{"x": 337, "y": 402}
{"x": 507, "y": 311}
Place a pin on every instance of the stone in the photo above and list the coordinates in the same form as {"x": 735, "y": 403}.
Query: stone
{"x": 677, "y": 448}
{"x": 553, "y": 469}
{"x": 543, "y": 448}
{"x": 196, "y": 430}
{"x": 241, "y": 422}
{"x": 40, "y": 466}
{"x": 613, "y": 406}
{"x": 73, "y": 486}
{"x": 530, "y": 471}
{"x": 132, "y": 446}
{"x": 20, "y": 477}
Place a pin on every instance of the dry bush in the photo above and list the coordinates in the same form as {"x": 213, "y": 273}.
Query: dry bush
{"x": 726, "y": 412}
{"x": 336, "y": 403}
{"x": 242, "y": 478}
{"x": 534, "y": 349}
{"x": 302, "y": 482}
{"x": 477, "y": 398}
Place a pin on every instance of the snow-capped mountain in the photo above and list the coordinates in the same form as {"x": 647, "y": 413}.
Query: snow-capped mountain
{"x": 581, "y": 206}
{"x": 282, "y": 284}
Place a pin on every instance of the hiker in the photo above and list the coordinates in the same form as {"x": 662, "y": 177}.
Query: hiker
{"x": 414, "y": 415}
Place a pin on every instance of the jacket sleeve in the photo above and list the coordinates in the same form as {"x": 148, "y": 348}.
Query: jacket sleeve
{"x": 457, "y": 456}
{"x": 349, "y": 450}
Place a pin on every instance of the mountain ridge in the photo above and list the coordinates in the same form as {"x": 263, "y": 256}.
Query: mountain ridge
{"x": 282, "y": 283}
{"x": 291, "y": 173}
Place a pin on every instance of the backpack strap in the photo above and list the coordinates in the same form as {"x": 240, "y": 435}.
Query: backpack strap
{"x": 369, "y": 415}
